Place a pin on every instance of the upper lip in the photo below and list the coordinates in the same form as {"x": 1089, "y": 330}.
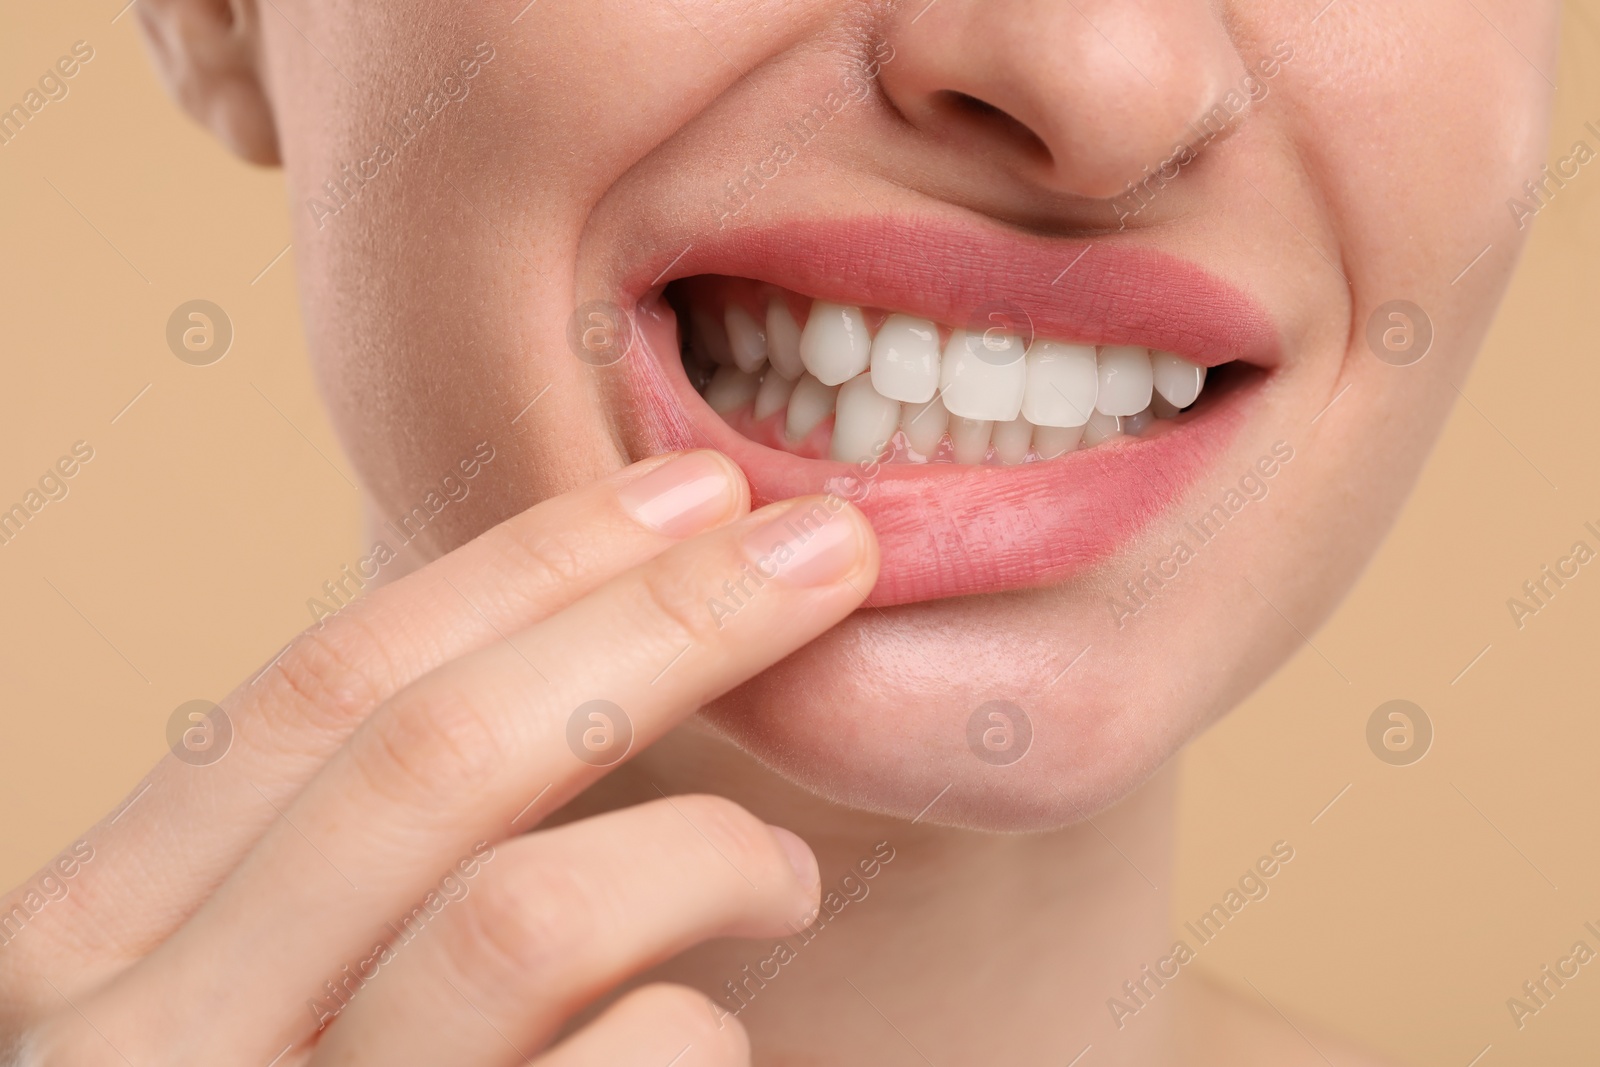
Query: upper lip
{"x": 947, "y": 529}
{"x": 1088, "y": 291}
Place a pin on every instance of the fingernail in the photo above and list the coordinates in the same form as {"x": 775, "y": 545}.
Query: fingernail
{"x": 801, "y": 858}
{"x": 682, "y": 497}
{"x": 808, "y": 545}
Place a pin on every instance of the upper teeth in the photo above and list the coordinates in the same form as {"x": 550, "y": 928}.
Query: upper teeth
{"x": 783, "y": 339}
{"x": 905, "y": 359}
{"x": 983, "y": 375}
{"x": 1177, "y": 380}
{"x": 1126, "y": 382}
{"x": 746, "y": 337}
{"x": 836, "y": 344}
{"x": 1063, "y": 384}
{"x": 984, "y": 390}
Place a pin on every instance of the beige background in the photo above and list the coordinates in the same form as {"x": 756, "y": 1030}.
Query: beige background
{"x": 219, "y": 501}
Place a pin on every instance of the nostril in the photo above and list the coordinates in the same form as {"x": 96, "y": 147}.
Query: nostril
{"x": 970, "y": 111}
{"x": 971, "y": 104}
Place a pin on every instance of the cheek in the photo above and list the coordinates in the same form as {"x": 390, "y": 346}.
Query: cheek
{"x": 438, "y": 291}
{"x": 1416, "y": 195}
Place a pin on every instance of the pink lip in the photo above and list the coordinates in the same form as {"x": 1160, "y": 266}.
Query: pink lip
{"x": 949, "y": 530}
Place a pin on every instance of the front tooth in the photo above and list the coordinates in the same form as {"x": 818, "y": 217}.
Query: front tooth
{"x": 1177, "y": 379}
{"x": 983, "y": 375}
{"x": 809, "y": 404}
{"x": 1126, "y": 380}
{"x": 905, "y": 359}
{"x": 709, "y": 338}
{"x": 970, "y": 438}
{"x": 773, "y": 394}
{"x": 1163, "y": 408}
{"x": 747, "y": 339}
{"x": 865, "y": 422}
{"x": 1053, "y": 441}
{"x": 1011, "y": 440}
{"x": 924, "y": 425}
{"x": 783, "y": 339}
{"x": 1101, "y": 427}
{"x": 731, "y": 389}
{"x": 1063, "y": 384}
{"x": 835, "y": 345}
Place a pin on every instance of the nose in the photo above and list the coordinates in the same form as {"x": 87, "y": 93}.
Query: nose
{"x": 1074, "y": 95}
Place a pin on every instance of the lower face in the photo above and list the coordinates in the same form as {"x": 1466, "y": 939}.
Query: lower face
{"x": 1120, "y": 449}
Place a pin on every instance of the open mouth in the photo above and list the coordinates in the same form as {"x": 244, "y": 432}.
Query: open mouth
{"x": 1008, "y": 410}
{"x": 853, "y": 384}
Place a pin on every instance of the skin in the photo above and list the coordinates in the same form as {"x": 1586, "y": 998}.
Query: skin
{"x": 437, "y": 307}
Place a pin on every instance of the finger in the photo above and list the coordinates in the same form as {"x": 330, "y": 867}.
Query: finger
{"x": 300, "y": 710}
{"x": 457, "y": 755}
{"x": 656, "y": 1026}
{"x": 558, "y": 918}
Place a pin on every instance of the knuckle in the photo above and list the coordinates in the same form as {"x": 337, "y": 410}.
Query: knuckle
{"x": 676, "y": 596}
{"x": 733, "y": 832}
{"x": 425, "y": 747}
{"x": 330, "y": 679}
{"x": 692, "y": 1018}
{"x": 517, "y": 933}
{"x": 552, "y": 559}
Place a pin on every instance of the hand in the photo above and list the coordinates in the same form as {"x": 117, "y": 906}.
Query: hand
{"x": 353, "y": 882}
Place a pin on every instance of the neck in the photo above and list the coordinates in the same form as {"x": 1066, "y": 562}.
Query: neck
{"x": 936, "y": 944}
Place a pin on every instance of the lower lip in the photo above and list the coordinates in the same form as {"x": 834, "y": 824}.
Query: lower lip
{"x": 949, "y": 529}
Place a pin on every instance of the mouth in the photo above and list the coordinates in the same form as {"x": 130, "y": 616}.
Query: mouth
{"x": 1008, "y": 411}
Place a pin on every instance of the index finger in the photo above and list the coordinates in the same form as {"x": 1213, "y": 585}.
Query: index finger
{"x": 453, "y": 758}
{"x": 299, "y": 711}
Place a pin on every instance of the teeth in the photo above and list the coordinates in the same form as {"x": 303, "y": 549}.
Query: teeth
{"x": 773, "y": 394}
{"x": 1101, "y": 427}
{"x": 835, "y": 345}
{"x": 905, "y": 359}
{"x": 1053, "y": 441}
{"x": 983, "y": 375}
{"x": 783, "y": 340}
{"x": 865, "y": 422}
{"x": 1126, "y": 380}
{"x": 711, "y": 340}
{"x": 1176, "y": 379}
{"x": 1011, "y": 440}
{"x": 924, "y": 425}
{"x": 747, "y": 339}
{"x": 731, "y": 389}
{"x": 1134, "y": 425}
{"x": 969, "y": 438}
{"x": 981, "y": 390}
{"x": 1063, "y": 384}
{"x": 809, "y": 404}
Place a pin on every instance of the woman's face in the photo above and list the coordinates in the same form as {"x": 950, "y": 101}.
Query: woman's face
{"x": 535, "y": 226}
